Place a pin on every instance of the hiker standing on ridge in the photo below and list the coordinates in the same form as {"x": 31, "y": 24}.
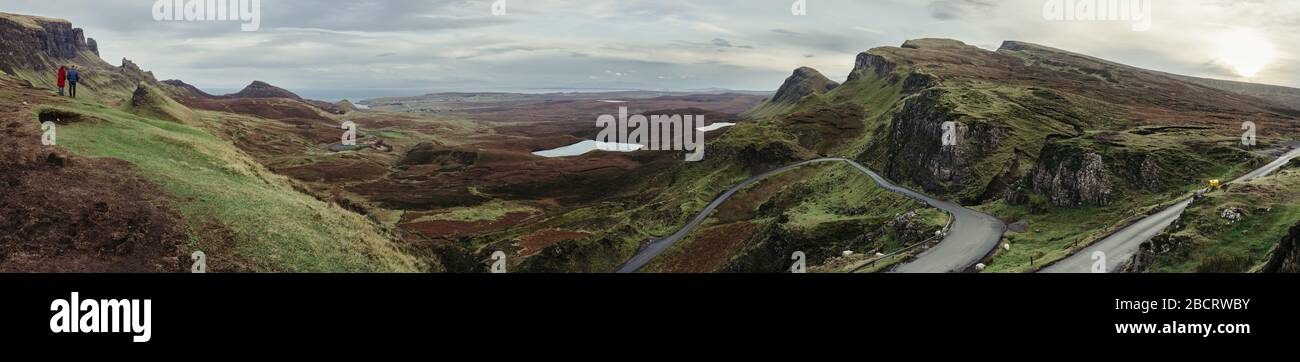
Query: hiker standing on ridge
{"x": 73, "y": 78}
{"x": 63, "y": 73}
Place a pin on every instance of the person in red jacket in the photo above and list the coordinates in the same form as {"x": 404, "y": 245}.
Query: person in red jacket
{"x": 63, "y": 74}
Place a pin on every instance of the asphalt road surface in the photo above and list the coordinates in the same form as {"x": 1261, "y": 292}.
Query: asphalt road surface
{"x": 1121, "y": 246}
{"x": 972, "y": 236}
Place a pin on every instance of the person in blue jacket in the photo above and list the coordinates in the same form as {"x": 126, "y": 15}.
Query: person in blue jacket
{"x": 73, "y": 78}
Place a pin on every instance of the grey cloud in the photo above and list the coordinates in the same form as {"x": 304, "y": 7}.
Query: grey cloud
{"x": 955, "y": 9}
{"x": 459, "y": 45}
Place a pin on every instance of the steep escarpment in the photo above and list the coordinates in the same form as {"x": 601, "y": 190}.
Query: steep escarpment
{"x": 801, "y": 84}
{"x": 1032, "y": 133}
{"x": 33, "y": 48}
{"x": 1007, "y": 107}
{"x": 997, "y": 128}
{"x": 1286, "y": 257}
{"x": 31, "y": 42}
{"x": 1072, "y": 177}
{"x": 804, "y": 82}
{"x": 1105, "y": 166}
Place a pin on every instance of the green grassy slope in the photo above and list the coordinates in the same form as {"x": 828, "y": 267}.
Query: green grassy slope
{"x": 1204, "y": 241}
{"x": 242, "y": 215}
{"x": 821, "y": 210}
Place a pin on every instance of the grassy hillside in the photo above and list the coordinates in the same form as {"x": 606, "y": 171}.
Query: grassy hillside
{"x": 1045, "y": 232}
{"x": 1204, "y": 240}
{"x": 821, "y": 209}
{"x": 1283, "y": 96}
{"x": 1065, "y": 147}
{"x": 243, "y": 216}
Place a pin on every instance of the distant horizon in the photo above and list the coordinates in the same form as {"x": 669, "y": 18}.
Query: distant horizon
{"x": 332, "y": 95}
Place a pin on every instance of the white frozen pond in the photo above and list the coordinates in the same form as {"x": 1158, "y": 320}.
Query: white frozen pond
{"x": 715, "y": 126}
{"x": 612, "y": 101}
{"x": 583, "y": 147}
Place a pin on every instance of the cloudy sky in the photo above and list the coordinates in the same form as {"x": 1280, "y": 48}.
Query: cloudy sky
{"x": 420, "y": 46}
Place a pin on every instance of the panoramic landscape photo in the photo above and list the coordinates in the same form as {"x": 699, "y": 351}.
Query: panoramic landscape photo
{"x": 649, "y": 136}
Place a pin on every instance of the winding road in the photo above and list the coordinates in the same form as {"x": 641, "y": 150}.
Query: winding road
{"x": 1121, "y": 245}
{"x": 972, "y": 236}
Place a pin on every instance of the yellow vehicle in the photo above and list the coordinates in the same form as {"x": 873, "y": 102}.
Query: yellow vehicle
{"x": 1215, "y": 184}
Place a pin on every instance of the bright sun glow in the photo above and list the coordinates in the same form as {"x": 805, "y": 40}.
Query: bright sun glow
{"x": 1245, "y": 51}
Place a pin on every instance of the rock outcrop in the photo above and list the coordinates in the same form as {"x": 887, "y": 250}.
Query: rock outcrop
{"x": 1286, "y": 256}
{"x": 1072, "y": 177}
{"x": 916, "y": 152}
{"x": 346, "y": 106}
{"x": 181, "y": 89}
{"x": 1167, "y": 241}
{"x": 29, "y": 42}
{"x": 134, "y": 73}
{"x": 804, "y": 82}
{"x": 150, "y": 101}
{"x": 260, "y": 89}
{"x": 443, "y": 159}
{"x": 33, "y": 47}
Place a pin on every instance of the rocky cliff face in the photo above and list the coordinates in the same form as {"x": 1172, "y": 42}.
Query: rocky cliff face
{"x": 1165, "y": 242}
{"x": 33, "y": 47}
{"x": 27, "y": 41}
{"x": 1033, "y": 119}
{"x": 134, "y": 73}
{"x": 972, "y": 169}
{"x": 871, "y": 64}
{"x": 917, "y": 153}
{"x": 1070, "y": 177}
{"x": 804, "y": 82}
{"x": 1286, "y": 258}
